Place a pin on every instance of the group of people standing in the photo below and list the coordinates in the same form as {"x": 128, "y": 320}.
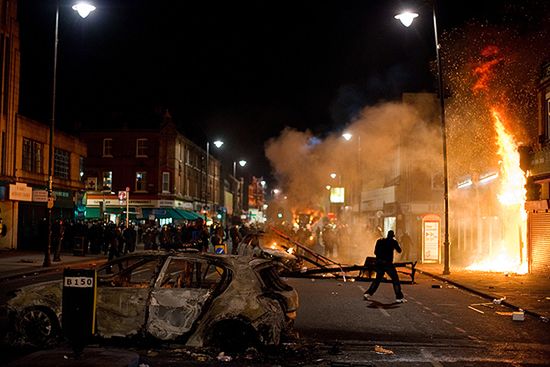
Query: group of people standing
{"x": 114, "y": 240}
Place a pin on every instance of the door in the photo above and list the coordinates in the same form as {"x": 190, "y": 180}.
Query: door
{"x": 122, "y": 296}
{"x": 181, "y": 296}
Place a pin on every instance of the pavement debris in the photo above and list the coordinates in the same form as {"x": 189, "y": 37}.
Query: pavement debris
{"x": 222, "y": 357}
{"x": 381, "y": 350}
{"x": 518, "y": 316}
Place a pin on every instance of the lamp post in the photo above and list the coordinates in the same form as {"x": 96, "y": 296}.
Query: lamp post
{"x": 348, "y": 136}
{"x": 242, "y": 163}
{"x": 406, "y": 19}
{"x": 217, "y": 144}
{"x": 83, "y": 9}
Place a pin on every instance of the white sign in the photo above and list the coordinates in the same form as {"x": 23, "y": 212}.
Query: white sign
{"x": 21, "y": 192}
{"x": 91, "y": 183}
{"x": 431, "y": 241}
{"x": 78, "y": 282}
{"x": 337, "y": 195}
{"x": 122, "y": 195}
{"x": 40, "y": 196}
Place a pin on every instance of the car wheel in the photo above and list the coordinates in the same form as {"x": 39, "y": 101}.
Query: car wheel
{"x": 38, "y": 326}
{"x": 233, "y": 336}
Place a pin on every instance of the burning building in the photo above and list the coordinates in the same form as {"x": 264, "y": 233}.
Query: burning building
{"x": 536, "y": 161}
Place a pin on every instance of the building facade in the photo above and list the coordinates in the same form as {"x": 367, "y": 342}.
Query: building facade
{"x": 412, "y": 189}
{"x": 536, "y": 161}
{"x": 24, "y": 156}
{"x": 159, "y": 168}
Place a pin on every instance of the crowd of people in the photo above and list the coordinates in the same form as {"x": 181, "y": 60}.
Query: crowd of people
{"x": 114, "y": 240}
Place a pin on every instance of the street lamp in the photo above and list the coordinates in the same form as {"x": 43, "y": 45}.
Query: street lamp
{"x": 84, "y": 9}
{"x": 242, "y": 163}
{"x": 348, "y": 136}
{"x": 217, "y": 144}
{"x": 406, "y": 18}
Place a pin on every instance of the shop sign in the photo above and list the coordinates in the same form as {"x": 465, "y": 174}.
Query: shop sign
{"x": 40, "y": 196}
{"x": 20, "y": 192}
{"x": 431, "y": 238}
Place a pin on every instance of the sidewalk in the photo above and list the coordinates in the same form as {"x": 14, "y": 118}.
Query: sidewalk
{"x": 528, "y": 292}
{"x": 15, "y": 263}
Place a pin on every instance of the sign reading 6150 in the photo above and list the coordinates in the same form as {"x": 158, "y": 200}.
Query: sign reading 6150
{"x": 78, "y": 282}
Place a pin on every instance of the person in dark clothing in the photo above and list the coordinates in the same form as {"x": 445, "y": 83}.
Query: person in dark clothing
{"x": 236, "y": 238}
{"x": 200, "y": 236}
{"x": 406, "y": 245}
{"x": 384, "y": 264}
{"x": 57, "y": 238}
{"x": 129, "y": 235}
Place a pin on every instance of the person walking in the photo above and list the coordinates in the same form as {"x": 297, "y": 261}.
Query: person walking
{"x": 384, "y": 265}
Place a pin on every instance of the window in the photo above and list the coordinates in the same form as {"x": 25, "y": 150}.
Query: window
{"x": 132, "y": 272}
{"x": 141, "y": 181}
{"x": 192, "y": 273}
{"x": 165, "y": 181}
{"x": 62, "y": 163}
{"x": 107, "y": 180}
{"x": 32, "y": 156}
{"x": 141, "y": 148}
{"x": 108, "y": 147}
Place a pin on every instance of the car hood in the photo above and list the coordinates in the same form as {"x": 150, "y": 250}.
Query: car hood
{"x": 46, "y": 293}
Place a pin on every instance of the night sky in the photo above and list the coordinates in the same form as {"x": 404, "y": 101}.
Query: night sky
{"x": 234, "y": 70}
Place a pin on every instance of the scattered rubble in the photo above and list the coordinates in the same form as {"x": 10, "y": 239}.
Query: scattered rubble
{"x": 222, "y": 357}
{"x": 518, "y": 315}
{"x": 381, "y": 350}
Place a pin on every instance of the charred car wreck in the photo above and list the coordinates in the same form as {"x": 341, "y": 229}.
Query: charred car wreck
{"x": 197, "y": 299}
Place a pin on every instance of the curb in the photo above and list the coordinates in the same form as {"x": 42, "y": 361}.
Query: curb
{"x": 40, "y": 270}
{"x": 480, "y": 294}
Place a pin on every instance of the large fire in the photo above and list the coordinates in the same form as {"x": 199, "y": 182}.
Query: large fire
{"x": 511, "y": 255}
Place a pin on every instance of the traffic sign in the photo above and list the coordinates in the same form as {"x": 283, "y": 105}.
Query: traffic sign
{"x": 122, "y": 195}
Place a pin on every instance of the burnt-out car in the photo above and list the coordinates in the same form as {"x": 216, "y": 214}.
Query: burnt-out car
{"x": 269, "y": 245}
{"x": 197, "y": 299}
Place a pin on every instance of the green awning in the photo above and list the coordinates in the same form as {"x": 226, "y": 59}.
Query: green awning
{"x": 176, "y": 214}
{"x": 187, "y": 214}
{"x": 91, "y": 213}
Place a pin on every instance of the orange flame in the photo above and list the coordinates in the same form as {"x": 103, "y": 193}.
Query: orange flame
{"x": 511, "y": 255}
{"x": 484, "y": 70}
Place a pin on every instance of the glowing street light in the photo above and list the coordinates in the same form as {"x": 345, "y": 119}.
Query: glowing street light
{"x": 217, "y": 144}
{"x": 407, "y": 18}
{"x": 348, "y": 136}
{"x": 83, "y": 13}
{"x": 83, "y": 8}
{"x": 242, "y": 163}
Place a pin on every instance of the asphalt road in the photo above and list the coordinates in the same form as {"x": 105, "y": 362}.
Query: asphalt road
{"x": 442, "y": 326}
{"x": 438, "y": 326}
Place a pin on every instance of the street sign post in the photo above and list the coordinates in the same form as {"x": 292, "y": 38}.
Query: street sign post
{"x": 78, "y": 306}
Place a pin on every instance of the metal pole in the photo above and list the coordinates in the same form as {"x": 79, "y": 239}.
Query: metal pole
{"x": 47, "y": 252}
{"x": 127, "y": 208}
{"x": 206, "y": 190}
{"x": 359, "y": 167}
{"x": 446, "y": 243}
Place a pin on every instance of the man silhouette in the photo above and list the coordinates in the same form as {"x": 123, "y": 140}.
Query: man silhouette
{"x": 384, "y": 264}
